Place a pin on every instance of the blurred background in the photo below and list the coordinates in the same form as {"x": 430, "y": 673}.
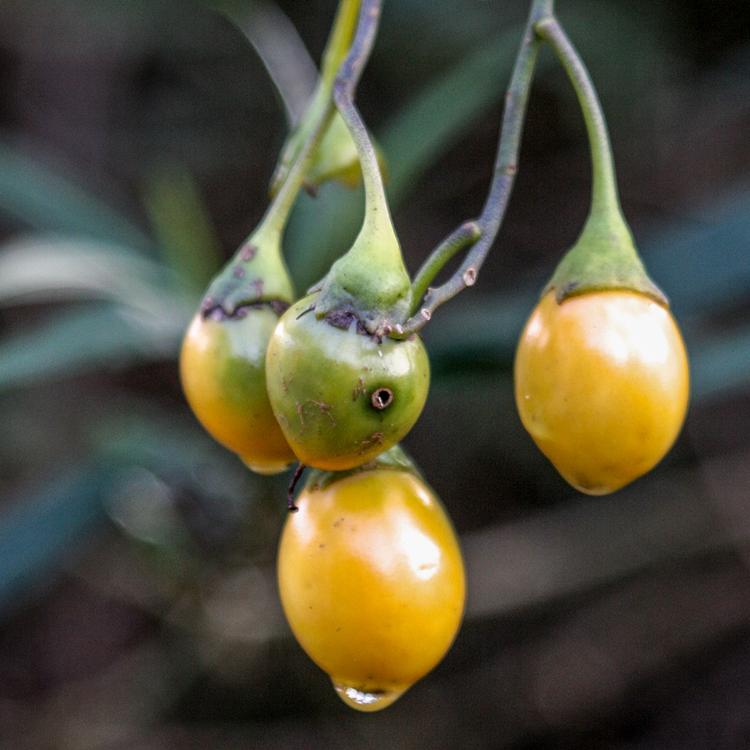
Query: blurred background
{"x": 138, "y": 605}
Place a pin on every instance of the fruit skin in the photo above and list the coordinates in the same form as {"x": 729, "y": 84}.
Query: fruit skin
{"x": 372, "y": 582}
{"x": 222, "y": 368}
{"x": 321, "y": 380}
{"x": 336, "y": 158}
{"x": 601, "y": 384}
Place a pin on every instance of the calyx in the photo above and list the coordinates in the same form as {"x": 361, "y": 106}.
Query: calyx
{"x": 394, "y": 458}
{"x": 603, "y": 258}
{"x": 369, "y": 282}
{"x": 256, "y": 274}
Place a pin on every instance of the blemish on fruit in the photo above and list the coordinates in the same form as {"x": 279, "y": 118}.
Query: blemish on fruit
{"x": 248, "y": 252}
{"x": 381, "y": 398}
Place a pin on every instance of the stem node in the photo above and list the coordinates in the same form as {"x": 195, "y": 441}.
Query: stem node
{"x": 480, "y": 234}
{"x": 470, "y": 276}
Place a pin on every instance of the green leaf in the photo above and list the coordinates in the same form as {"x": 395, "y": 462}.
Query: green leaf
{"x": 703, "y": 264}
{"x": 187, "y": 237}
{"x": 43, "y": 199}
{"x": 42, "y": 530}
{"x": 47, "y": 269}
{"x": 71, "y": 343}
{"x": 720, "y": 365}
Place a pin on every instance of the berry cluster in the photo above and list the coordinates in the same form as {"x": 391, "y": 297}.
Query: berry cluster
{"x": 369, "y": 567}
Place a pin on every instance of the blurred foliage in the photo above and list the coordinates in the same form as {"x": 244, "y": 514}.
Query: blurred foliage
{"x": 118, "y": 503}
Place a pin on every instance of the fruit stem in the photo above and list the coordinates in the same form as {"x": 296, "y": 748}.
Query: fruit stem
{"x": 604, "y": 256}
{"x": 462, "y": 237}
{"x": 489, "y": 221}
{"x": 369, "y": 281}
{"x": 259, "y": 258}
{"x": 604, "y": 199}
{"x": 339, "y": 42}
{"x": 376, "y": 206}
{"x": 316, "y": 118}
{"x": 291, "y": 506}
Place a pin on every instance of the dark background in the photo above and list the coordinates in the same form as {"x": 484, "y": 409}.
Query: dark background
{"x": 138, "y": 607}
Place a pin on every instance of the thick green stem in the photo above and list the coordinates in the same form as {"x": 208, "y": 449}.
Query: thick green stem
{"x": 339, "y": 42}
{"x": 376, "y": 206}
{"x": 257, "y": 271}
{"x": 370, "y": 281}
{"x": 604, "y": 197}
{"x": 317, "y": 117}
{"x": 604, "y": 256}
{"x": 462, "y": 237}
{"x": 516, "y": 100}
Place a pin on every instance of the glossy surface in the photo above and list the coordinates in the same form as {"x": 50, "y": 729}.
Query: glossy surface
{"x": 222, "y": 368}
{"x": 601, "y": 384}
{"x": 372, "y": 583}
{"x": 321, "y": 381}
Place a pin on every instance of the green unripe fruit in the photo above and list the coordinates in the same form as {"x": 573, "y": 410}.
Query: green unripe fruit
{"x": 340, "y": 395}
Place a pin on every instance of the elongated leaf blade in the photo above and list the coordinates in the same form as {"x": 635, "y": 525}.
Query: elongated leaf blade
{"x": 75, "y": 342}
{"x": 42, "y": 199}
{"x": 42, "y": 530}
{"x": 48, "y": 269}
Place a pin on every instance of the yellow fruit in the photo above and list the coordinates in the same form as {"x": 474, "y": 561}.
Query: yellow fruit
{"x": 223, "y": 373}
{"x": 601, "y": 384}
{"x": 372, "y": 582}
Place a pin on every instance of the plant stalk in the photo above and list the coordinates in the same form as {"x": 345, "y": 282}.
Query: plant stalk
{"x": 344, "y": 91}
{"x": 320, "y": 111}
{"x": 604, "y": 198}
{"x": 489, "y": 221}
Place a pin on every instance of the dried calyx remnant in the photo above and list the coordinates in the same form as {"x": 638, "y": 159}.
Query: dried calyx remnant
{"x": 214, "y": 311}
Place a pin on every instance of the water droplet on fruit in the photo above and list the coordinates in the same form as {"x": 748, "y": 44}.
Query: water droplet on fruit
{"x": 362, "y": 700}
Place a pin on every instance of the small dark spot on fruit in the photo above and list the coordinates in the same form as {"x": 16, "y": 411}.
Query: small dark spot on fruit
{"x": 375, "y": 439}
{"x": 323, "y": 407}
{"x": 248, "y": 252}
{"x": 381, "y": 398}
{"x": 359, "y": 389}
